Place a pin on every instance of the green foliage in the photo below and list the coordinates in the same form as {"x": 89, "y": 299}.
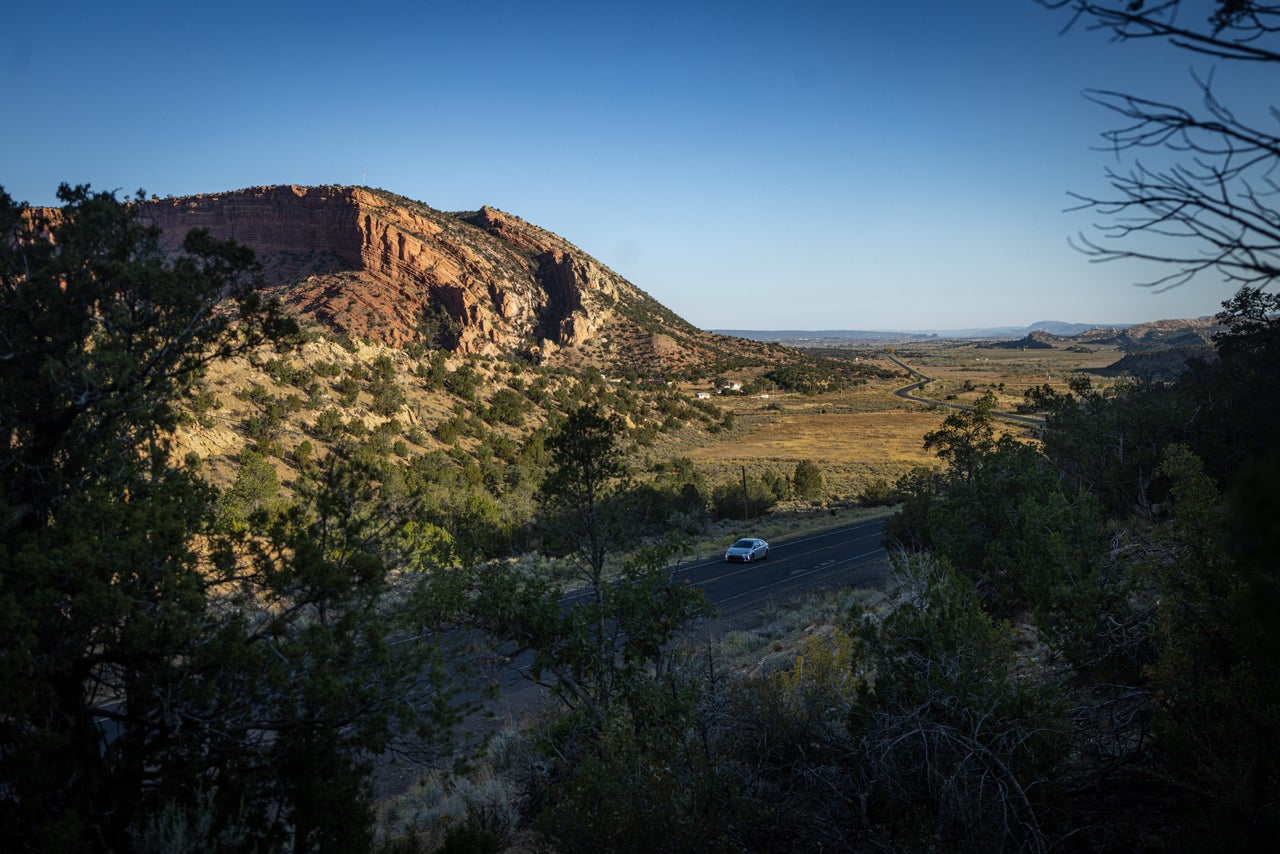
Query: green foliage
{"x": 729, "y": 501}
{"x": 878, "y": 493}
{"x": 326, "y": 675}
{"x": 264, "y": 425}
{"x": 348, "y": 389}
{"x": 165, "y": 682}
{"x": 1216, "y": 677}
{"x": 437, "y": 329}
{"x": 675, "y": 499}
{"x": 807, "y": 480}
{"x": 285, "y": 372}
{"x": 388, "y": 396}
{"x": 604, "y": 656}
{"x": 433, "y": 372}
{"x": 100, "y": 343}
{"x": 1109, "y": 443}
{"x": 329, "y": 424}
{"x": 954, "y": 749}
{"x": 585, "y": 473}
{"x": 909, "y": 527}
{"x": 818, "y": 375}
{"x": 256, "y": 488}
{"x": 506, "y": 407}
{"x": 1182, "y": 634}
{"x": 328, "y": 370}
{"x": 1012, "y": 529}
{"x": 202, "y": 403}
{"x": 462, "y": 382}
{"x": 643, "y": 784}
{"x": 624, "y": 770}
{"x": 965, "y": 437}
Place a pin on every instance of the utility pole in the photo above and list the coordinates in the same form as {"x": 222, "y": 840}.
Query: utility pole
{"x": 746, "y": 504}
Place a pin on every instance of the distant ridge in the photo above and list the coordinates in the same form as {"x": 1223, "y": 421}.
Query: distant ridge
{"x": 831, "y": 337}
{"x": 794, "y": 336}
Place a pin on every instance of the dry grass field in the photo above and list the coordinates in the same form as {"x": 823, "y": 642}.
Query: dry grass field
{"x": 868, "y": 433}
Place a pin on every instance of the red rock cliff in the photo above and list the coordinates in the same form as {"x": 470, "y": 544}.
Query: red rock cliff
{"x": 369, "y": 263}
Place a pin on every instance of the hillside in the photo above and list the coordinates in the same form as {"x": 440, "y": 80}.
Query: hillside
{"x": 376, "y": 266}
{"x": 450, "y": 334}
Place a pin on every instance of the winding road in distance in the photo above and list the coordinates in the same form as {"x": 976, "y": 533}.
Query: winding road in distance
{"x": 909, "y": 393}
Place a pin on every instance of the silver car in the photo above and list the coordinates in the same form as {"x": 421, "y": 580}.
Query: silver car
{"x": 747, "y": 549}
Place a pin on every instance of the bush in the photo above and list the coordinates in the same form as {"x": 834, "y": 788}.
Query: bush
{"x": 348, "y": 389}
{"x": 954, "y": 750}
{"x": 807, "y": 481}
{"x": 506, "y": 407}
{"x": 878, "y": 493}
{"x": 329, "y": 424}
{"x": 728, "y": 501}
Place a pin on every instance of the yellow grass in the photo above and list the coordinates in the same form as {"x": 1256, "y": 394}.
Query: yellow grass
{"x": 893, "y": 436}
{"x": 851, "y": 448}
{"x": 867, "y": 433}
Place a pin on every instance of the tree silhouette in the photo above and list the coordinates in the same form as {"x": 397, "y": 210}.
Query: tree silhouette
{"x": 1210, "y": 204}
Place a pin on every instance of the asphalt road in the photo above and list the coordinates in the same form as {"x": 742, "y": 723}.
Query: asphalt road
{"x": 909, "y": 393}
{"x": 851, "y": 555}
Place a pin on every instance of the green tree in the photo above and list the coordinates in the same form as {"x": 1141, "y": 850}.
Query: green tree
{"x": 953, "y": 749}
{"x": 437, "y": 328}
{"x": 102, "y": 337}
{"x": 507, "y": 407}
{"x": 610, "y": 642}
{"x": 1109, "y": 443}
{"x": 807, "y": 480}
{"x": 965, "y": 436}
{"x": 157, "y": 673}
{"x": 1216, "y": 677}
{"x": 256, "y": 488}
{"x": 586, "y": 471}
{"x": 102, "y": 584}
{"x": 341, "y": 668}
{"x": 388, "y": 395}
{"x": 729, "y": 501}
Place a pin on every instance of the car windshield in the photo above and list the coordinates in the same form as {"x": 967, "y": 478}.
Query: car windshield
{"x": 743, "y": 544}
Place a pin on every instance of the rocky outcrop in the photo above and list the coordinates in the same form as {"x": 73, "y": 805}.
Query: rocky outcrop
{"x": 1165, "y": 334}
{"x": 1159, "y": 365}
{"x": 1035, "y": 340}
{"x": 369, "y": 263}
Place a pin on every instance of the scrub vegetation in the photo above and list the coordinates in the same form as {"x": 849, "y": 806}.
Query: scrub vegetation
{"x": 243, "y": 563}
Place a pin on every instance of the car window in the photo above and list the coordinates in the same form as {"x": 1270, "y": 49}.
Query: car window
{"x": 743, "y": 544}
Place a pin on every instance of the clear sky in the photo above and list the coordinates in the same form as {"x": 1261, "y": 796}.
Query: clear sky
{"x": 800, "y": 165}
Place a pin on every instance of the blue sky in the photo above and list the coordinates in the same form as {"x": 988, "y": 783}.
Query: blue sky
{"x": 808, "y": 165}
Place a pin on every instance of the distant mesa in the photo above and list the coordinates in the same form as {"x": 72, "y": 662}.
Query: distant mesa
{"x": 1034, "y": 340}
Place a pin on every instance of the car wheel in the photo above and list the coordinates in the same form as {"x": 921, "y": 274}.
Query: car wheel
{"x": 765, "y": 555}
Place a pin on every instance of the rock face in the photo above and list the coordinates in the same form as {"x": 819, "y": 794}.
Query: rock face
{"x": 370, "y": 263}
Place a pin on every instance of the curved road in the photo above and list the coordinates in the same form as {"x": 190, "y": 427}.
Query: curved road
{"x": 907, "y": 393}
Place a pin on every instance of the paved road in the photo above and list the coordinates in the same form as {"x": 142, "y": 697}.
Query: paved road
{"x": 851, "y": 555}
{"x": 909, "y": 393}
